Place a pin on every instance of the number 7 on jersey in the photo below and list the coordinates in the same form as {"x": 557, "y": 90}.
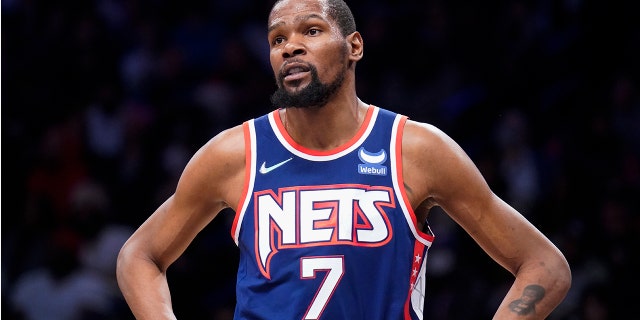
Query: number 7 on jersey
{"x": 334, "y": 266}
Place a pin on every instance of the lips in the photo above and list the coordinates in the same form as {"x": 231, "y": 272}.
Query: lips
{"x": 294, "y": 71}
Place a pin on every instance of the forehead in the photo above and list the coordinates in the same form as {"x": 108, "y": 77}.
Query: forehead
{"x": 287, "y": 10}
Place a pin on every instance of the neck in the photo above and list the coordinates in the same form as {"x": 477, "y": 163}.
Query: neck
{"x": 326, "y": 127}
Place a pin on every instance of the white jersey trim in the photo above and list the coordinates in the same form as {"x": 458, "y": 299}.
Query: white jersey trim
{"x": 252, "y": 177}
{"x": 406, "y": 209}
{"x": 330, "y": 157}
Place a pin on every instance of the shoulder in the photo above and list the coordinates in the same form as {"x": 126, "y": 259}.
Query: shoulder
{"x": 434, "y": 165}
{"x": 226, "y": 149}
{"x": 426, "y": 140}
{"x": 217, "y": 167}
{"x": 227, "y": 143}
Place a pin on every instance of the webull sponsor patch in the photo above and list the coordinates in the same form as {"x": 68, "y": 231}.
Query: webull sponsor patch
{"x": 372, "y": 162}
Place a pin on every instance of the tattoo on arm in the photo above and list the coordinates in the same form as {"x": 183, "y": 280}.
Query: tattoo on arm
{"x": 527, "y": 302}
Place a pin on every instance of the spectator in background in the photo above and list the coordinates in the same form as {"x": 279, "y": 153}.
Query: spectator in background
{"x": 62, "y": 289}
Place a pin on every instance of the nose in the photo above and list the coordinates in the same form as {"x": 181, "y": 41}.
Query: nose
{"x": 292, "y": 49}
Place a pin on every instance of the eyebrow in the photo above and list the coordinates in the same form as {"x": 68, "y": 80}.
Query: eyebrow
{"x": 298, "y": 19}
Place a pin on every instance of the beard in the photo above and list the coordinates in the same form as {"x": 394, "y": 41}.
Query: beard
{"x": 315, "y": 94}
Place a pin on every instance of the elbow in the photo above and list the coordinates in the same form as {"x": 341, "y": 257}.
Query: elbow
{"x": 127, "y": 263}
{"x": 551, "y": 271}
{"x": 556, "y": 277}
{"x": 563, "y": 276}
{"x": 121, "y": 263}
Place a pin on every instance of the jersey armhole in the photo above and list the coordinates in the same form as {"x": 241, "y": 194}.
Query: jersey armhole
{"x": 248, "y": 129}
{"x": 412, "y": 220}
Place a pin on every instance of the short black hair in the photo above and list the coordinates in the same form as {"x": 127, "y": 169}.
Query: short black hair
{"x": 339, "y": 11}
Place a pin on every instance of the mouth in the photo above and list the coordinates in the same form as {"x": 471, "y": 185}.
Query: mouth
{"x": 294, "y": 71}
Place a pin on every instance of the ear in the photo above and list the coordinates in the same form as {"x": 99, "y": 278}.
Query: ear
{"x": 356, "y": 46}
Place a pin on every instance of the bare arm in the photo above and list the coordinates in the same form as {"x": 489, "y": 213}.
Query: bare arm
{"x": 451, "y": 180}
{"x": 209, "y": 183}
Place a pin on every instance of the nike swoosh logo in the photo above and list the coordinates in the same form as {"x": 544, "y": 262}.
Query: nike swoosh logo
{"x": 264, "y": 169}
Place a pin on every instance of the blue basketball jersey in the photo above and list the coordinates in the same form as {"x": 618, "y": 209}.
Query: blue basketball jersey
{"x": 328, "y": 234}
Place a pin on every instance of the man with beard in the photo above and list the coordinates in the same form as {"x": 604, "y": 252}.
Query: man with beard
{"x": 331, "y": 197}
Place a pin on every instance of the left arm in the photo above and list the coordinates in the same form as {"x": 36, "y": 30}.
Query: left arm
{"x": 449, "y": 179}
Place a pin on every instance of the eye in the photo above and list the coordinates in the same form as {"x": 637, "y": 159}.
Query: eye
{"x": 313, "y": 32}
{"x": 277, "y": 40}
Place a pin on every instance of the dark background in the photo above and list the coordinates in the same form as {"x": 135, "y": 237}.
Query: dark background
{"x": 104, "y": 102}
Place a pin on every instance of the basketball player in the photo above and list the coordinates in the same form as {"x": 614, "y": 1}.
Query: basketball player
{"x": 331, "y": 196}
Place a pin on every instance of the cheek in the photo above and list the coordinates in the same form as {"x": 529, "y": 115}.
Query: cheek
{"x": 333, "y": 61}
{"x": 276, "y": 62}
{"x": 335, "y": 68}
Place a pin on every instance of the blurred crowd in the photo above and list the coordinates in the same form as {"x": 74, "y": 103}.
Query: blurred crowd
{"x": 104, "y": 102}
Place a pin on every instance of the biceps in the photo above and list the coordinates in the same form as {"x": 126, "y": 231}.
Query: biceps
{"x": 501, "y": 231}
{"x": 464, "y": 194}
{"x": 170, "y": 229}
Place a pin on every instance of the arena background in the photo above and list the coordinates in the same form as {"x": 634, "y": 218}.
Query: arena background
{"x": 104, "y": 101}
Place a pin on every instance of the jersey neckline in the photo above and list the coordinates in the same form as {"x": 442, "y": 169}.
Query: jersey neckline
{"x": 323, "y": 155}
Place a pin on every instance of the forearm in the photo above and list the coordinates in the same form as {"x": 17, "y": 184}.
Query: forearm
{"x": 144, "y": 287}
{"x": 536, "y": 291}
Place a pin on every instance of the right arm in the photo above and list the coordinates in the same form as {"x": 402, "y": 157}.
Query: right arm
{"x": 211, "y": 181}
